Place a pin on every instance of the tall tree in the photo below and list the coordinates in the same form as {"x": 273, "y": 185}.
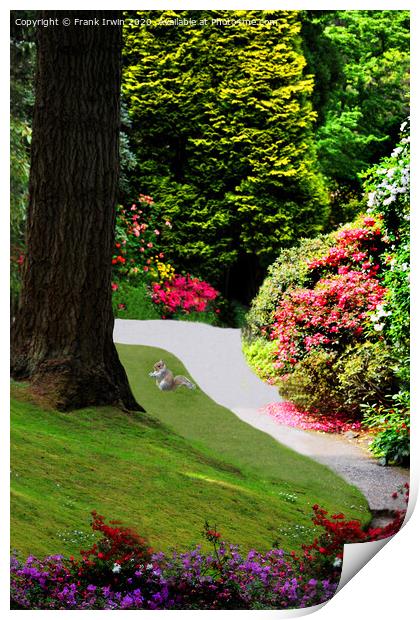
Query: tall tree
{"x": 222, "y": 122}
{"x": 62, "y": 335}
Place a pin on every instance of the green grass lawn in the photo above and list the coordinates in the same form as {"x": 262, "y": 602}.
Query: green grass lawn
{"x": 163, "y": 473}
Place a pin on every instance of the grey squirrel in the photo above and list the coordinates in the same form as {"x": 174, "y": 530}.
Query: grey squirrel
{"x": 165, "y": 379}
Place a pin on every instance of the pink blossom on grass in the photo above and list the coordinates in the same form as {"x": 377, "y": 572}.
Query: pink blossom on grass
{"x": 288, "y": 414}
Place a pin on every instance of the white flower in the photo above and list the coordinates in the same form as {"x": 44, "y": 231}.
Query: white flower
{"x": 404, "y": 267}
{"x": 378, "y": 327}
{"x": 390, "y": 173}
{"x": 403, "y": 126}
{"x": 396, "y": 151}
{"x": 116, "y": 568}
{"x": 388, "y": 201}
{"x": 371, "y": 199}
{"x": 337, "y": 562}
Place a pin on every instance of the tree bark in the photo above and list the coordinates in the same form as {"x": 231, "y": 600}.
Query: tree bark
{"x": 62, "y": 336}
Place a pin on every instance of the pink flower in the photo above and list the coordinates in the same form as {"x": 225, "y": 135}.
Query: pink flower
{"x": 287, "y": 413}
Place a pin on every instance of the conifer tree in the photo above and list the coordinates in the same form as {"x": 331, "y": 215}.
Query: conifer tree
{"x": 222, "y": 123}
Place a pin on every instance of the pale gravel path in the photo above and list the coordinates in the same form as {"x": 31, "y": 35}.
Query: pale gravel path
{"x": 213, "y": 357}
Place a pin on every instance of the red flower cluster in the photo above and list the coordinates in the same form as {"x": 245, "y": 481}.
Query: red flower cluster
{"x": 119, "y": 545}
{"x": 328, "y": 548}
{"x": 327, "y": 315}
{"x": 138, "y": 237}
{"x": 183, "y": 293}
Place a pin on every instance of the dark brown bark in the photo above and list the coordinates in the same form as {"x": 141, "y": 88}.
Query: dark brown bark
{"x": 62, "y": 336}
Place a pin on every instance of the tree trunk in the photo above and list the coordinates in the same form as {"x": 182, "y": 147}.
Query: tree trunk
{"x": 62, "y": 336}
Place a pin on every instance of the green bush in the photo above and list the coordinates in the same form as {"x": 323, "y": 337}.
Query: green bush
{"x": 133, "y": 301}
{"x": 365, "y": 374}
{"x": 362, "y": 375}
{"x": 260, "y": 355}
{"x": 312, "y": 384}
{"x": 392, "y": 442}
{"x": 290, "y": 269}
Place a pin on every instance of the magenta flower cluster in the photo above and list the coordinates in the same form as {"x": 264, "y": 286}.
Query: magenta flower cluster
{"x": 183, "y": 293}
{"x": 192, "y": 580}
{"x": 121, "y": 572}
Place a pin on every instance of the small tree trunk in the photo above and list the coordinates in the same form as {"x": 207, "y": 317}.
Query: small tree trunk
{"x": 62, "y": 336}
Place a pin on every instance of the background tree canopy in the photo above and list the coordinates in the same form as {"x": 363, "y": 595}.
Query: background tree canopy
{"x": 360, "y": 61}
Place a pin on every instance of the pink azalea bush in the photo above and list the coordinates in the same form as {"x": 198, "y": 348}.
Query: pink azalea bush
{"x": 330, "y": 315}
{"x": 333, "y": 312}
{"x": 313, "y": 332}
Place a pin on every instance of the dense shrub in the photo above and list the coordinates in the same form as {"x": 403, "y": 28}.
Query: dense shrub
{"x": 311, "y": 384}
{"x": 133, "y": 301}
{"x": 332, "y": 382}
{"x": 389, "y": 198}
{"x": 366, "y": 371}
{"x": 392, "y": 429}
{"x": 260, "y": 355}
{"x": 340, "y": 322}
{"x": 320, "y": 321}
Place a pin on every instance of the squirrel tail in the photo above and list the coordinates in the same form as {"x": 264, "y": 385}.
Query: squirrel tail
{"x": 181, "y": 380}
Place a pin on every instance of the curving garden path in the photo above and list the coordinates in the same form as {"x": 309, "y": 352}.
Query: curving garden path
{"x": 213, "y": 357}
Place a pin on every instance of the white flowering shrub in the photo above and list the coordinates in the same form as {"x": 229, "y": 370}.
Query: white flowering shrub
{"x": 389, "y": 198}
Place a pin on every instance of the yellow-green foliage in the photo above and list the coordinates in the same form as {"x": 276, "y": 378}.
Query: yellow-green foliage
{"x": 222, "y": 123}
